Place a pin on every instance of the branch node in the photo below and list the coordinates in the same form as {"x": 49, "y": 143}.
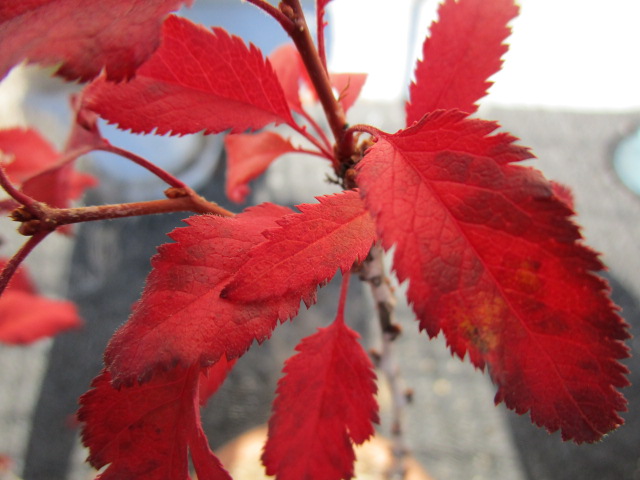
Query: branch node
{"x": 288, "y": 11}
{"x": 30, "y": 228}
{"x": 393, "y": 330}
{"x": 409, "y": 395}
{"x": 176, "y": 192}
{"x": 376, "y": 357}
{"x": 21, "y": 214}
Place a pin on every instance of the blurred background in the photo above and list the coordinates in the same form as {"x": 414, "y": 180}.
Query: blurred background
{"x": 570, "y": 89}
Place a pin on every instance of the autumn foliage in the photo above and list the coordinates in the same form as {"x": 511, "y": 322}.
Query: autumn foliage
{"x": 488, "y": 246}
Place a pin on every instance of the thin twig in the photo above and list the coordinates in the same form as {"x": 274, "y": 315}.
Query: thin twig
{"x": 374, "y": 274}
{"x": 68, "y": 157}
{"x": 303, "y": 131}
{"x": 317, "y": 128}
{"x": 144, "y": 163}
{"x": 310, "y": 152}
{"x": 42, "y": 217}
{"x": 12, "y": 265}
{"x": 17, "y": 195}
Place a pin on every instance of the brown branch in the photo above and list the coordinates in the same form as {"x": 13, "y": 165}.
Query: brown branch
{"x": 12, "y": 265}
{"x": 40, "y": 217}
{"x": 372, "y": 272}
{"x": 319, "y": 76}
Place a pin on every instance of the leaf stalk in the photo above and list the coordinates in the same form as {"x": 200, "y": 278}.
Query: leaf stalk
{"x": 144, "y": 163}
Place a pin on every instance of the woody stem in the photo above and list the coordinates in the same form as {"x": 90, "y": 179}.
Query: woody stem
{"x": 12, "y": 265}
{"x": 301, "y": 37}
{"x": 374, "y": 274}
{"x": 41, "y": 217}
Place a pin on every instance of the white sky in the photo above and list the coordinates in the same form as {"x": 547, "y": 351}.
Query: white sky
{"x": 576, "y": 54}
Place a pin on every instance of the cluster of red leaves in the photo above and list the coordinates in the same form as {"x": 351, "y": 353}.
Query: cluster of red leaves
{"x": 488, "y": 246}
{"x": 182, "y": 319}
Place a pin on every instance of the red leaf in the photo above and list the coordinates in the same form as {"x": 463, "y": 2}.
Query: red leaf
{"x": 325, "y": 403}
{"x": 248, "y": 156}
{"x": 181, "y": 317}
{"x": 494, "y": 261}
{"x": 189, "y": 85}
{"x": 145, "y": 431}
{"x": 464, "y": 49}
{"x": 32, "y": 165}
{"x": 306, "y": 250}
{"x": 117, "y": 35}
{"x": 26, "y": 316}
